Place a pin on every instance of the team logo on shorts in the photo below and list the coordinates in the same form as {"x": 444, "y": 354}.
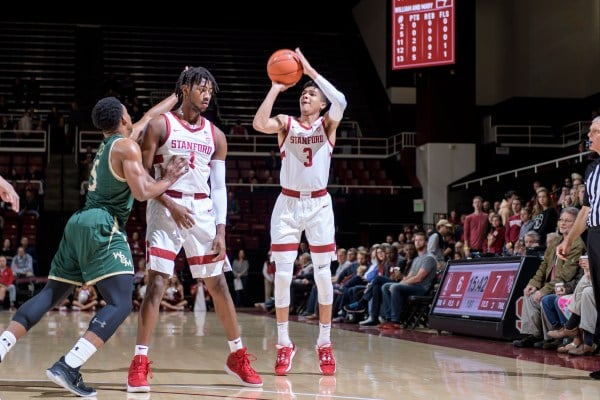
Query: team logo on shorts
{"x": 123, "y": 259}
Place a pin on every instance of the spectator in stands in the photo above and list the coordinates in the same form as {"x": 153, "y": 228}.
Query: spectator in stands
{"x": 302, "y": 284}
{"x": 233, "y": 205}
{"x": 7, "y": 280}
{"x": 137, "y": 245}
{"x": 372, "y": 296}
{"x": 86, "y": 162}
{"x": 495, "y": 238}
{"x": 174, "y": 296}
{"x": 240, "y": 268}
{"x": 7, "y": 250}
{"x": 200, "y": 295}
{"x": 526, "y": 222}
{"x": 30, "y": 203}
{"x": 239, "y": 129}
{"x": 544, "y": 215}
{"x": 22, "y": 264}
{"x": 6, "y": 124}
{"x": 268, "y": 272}
{"x": 273, "y": 162}
{"x": 580, "y": 307}
{"x": 342, "y": 296}
{"x": 454, "y": 218}
{"x": 435, "y": 242}
{"x": 139, "y": 292}
{"x": 417, "y": 282}
{"x": 85, "y": 298}
{"x": 514, "y": 226}
{"x": 533, "y": 200}
{"x": 475, "y": 229}
{"x": 551, "y": 270}
{"x": 26, "y": 121}
{"x": 505, "y": 210}
{"x": 29, "y": 249}
{"x": 140, "y": 272}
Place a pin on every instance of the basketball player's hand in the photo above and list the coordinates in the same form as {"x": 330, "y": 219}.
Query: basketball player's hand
{"x": 219, "y": 246}
{"x": 175, "y": 168}
{"x": 280, "y": 86}
{"x": 562, "y": 250}
{"x": 182, "y": 216}
{"x": 9, "y": 195}
{"x": 308, "y": 69}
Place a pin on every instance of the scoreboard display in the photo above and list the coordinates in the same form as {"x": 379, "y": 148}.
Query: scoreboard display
{"x": 480, "y": 290}
{"x": 422, "y": 33}
{"x": 480, "y": 296}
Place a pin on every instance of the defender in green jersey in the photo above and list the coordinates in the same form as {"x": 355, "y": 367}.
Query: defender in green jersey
{"x": 94, "y": 247}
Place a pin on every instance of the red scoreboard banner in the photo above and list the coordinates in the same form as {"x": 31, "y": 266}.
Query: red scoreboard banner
{"x": 422, "y": 33}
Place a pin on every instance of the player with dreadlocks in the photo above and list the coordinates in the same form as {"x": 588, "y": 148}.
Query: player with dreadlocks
{"x": 191, "y": 214}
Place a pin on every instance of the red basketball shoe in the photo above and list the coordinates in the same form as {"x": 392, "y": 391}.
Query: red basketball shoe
{"x": 326, "y": 359}
{"x": 238, "y": 364}
{"x": 137, "y": 380}
{"x": 283, "y": 362}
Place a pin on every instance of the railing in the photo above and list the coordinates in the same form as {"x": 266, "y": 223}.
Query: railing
{"x": 23, "y": 141}
{"x": 540, "y": 135}
{"x": 261, "y": 145}
{"x": 515, "y": 172}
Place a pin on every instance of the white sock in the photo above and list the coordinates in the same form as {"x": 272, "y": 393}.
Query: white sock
{"x": 80, "y": 353}
{"x": 282, "y": 334}
{"x": 235, "y": 345}
{"x": 141, "y": 350}
{"x": 7, "y": 342}
{"x": 324, "y": 334}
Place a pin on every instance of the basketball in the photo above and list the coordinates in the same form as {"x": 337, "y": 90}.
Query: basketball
{"x": 284, "y": 67}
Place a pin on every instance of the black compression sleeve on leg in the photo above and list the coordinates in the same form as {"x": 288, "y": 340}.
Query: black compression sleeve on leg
{"x": 116, "y": 291}
{"x": 34, "y": 309}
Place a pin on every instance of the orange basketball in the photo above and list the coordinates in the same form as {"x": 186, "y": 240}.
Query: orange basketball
{"x": 284, "y": 67}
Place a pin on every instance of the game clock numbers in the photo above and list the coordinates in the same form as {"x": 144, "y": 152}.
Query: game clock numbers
{"x": 422, "y": 33}
{"x": 481, "y": 291}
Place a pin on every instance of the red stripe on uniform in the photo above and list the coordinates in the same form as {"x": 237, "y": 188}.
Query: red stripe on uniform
{"x": 326, "y": 248}
{"x": 200, "y": 260}
{"x": 285, "y": 247}
{"x": 162, "y": 253}
{"x": 158, "y": 159}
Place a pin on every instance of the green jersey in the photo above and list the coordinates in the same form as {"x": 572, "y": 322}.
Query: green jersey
{"x": 106, "y": 190}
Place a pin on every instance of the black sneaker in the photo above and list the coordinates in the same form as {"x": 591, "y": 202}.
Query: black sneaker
{"x": 356, "y": 307}
{"x": 527, "y": 341}
{"x": 69, "y": 378}
{"x": 595, "y": 374}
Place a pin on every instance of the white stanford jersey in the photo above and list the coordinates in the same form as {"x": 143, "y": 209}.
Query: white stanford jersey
{"x": 195, "y": 144}
{"x": 305, "y": 156}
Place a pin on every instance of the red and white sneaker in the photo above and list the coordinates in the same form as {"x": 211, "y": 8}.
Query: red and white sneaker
{"x": 283, "y": 362}
{"x": 326, "y": 359}
{"x": 238, "y": 365}
{"x": 137, "y": 379}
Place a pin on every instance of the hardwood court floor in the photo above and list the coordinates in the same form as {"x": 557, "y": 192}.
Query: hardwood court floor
{"x": 189, "y": 352}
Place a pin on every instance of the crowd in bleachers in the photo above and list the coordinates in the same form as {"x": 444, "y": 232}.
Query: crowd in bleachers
{"x": 375, "y": 286}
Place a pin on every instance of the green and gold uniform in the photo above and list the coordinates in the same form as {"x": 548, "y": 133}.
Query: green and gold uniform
{"x": 94, "y": 244}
